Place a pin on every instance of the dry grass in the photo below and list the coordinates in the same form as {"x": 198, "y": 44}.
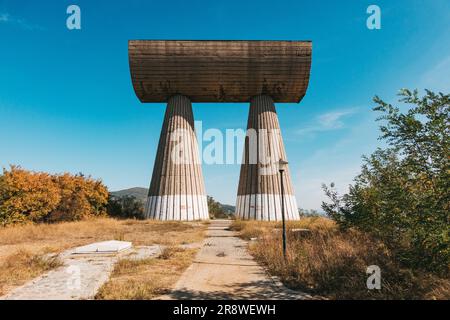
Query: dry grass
{"x": 253, "y": 229}
{"x": 146, "y": 279}
{"x": 333, "y": 263}
{"x": 24, "y": 264}
{"x": 23, "y": 246}
{"x": 169, "y": 252}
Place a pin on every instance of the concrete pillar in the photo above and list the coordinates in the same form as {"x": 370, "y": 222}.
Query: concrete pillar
{"x": 177, "y": 190}
{"x": 259, "y": 191}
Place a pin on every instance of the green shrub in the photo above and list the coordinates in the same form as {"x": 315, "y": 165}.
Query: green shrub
{"x": 401, "y": 195}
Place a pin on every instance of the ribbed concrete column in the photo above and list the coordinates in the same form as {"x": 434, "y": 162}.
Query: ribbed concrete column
{"x": 177, "y": 191}
{"x": 259, "y": 191}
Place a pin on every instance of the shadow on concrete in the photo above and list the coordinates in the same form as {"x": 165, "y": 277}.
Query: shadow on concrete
{"x": 256, "y": 290}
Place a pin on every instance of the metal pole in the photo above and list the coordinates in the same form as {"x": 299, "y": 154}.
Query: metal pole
{"x": 282, "y": 215}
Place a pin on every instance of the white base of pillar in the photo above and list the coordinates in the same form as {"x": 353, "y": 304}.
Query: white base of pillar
{"x": 177, "y": 207}
{"x": 266, "y": 207}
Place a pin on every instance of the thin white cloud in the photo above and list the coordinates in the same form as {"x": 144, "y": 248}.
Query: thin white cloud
{"x": 328, "y": 121}
{"x": 437, "y": 78}
{"x": 338, "y": 162}
{"x": 22, "y": 23}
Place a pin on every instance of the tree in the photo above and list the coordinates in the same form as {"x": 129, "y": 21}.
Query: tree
{"x": 402, "y": 193}
{"x": 81, "y": 197}
{"x": 26, "y": 196}
{"x": 308, "y": 213}
{"x": 126, "y": 207}
{"x": 215, "y": 209}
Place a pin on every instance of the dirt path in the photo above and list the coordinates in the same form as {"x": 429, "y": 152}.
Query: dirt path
{"x": 223, "y": 269}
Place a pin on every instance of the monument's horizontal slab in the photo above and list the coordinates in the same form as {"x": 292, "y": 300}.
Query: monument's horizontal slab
{"x": 219, "y": 71}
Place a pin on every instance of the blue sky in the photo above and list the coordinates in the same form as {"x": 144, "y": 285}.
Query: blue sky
{"x": 67, "y": 103}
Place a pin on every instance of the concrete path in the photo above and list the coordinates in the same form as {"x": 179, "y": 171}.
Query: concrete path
{"x": 223, "y": 269}
{"x": 80, "y": 276}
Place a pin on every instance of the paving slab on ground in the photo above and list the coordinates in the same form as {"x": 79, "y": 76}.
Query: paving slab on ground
{"x": 112, "y": 246}
{"x": 223, "y": 269}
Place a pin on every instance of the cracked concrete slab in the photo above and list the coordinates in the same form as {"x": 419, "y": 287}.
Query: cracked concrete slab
{"x": 80, "y": 276}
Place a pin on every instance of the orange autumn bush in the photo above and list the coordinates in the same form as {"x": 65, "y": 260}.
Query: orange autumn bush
{"x": 27, "y": 196}
{"x": 81, "y": 197}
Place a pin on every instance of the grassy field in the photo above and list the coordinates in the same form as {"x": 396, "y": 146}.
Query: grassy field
{"x": 333, "y": 264}
{"x": 25, "y": 249}
{"x": 148, "y": 278}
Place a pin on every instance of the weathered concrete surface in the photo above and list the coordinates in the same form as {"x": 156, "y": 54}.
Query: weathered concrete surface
{"x": 79, "y": 277}
{"x": 259, "y": 194}
{"x": 219, "y": 71}
{"x": 112, "y": 246}
{"x": 223, "y": 269}
{"x": 177, "y": 191}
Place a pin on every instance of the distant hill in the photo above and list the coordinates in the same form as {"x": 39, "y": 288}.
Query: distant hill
{"x": 138, "y": 193}
{"x": 141, "y": 194}
{"x": 229, "y": 209}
